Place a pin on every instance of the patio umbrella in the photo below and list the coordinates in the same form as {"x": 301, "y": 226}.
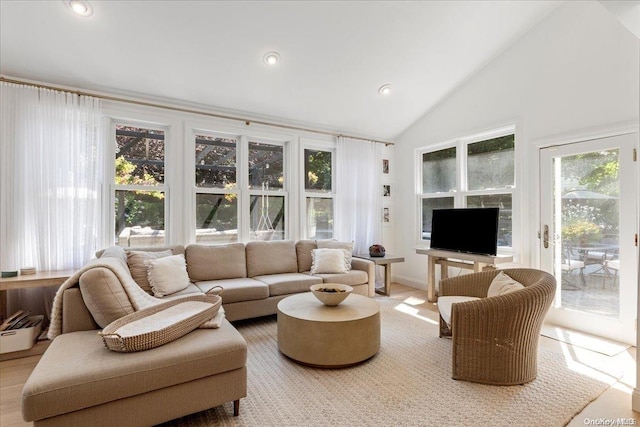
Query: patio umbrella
{"x": 586, "y": 194}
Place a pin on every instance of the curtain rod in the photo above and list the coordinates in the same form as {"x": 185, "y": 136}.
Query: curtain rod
{"x": 191, "y": 111}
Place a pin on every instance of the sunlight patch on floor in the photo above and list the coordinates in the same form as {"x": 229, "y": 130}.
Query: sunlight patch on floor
{"x": 414, "y": 301}
{"x": 579, "y": 339}
{"x": 412, "y": 311}
{"x": 585, "y": 362}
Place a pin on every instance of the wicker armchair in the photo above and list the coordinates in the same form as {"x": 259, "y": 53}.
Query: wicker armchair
{"x": 495, "y": 340}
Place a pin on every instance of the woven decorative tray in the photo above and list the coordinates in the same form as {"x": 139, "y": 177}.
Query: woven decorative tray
{"x": 160, "y": 324}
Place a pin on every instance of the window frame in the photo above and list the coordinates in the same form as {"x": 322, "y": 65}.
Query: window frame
{"x": 305, "y": 194}
{"x": 281, "y": 192}
{"x": 112, "y": 239}
{"x": 462, "y": 192}
{"x": 241, "y": 190}
{"x": 191, "y": 168}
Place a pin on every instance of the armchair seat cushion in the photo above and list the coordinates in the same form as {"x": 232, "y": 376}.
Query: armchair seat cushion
{"x": 445, "y": 304}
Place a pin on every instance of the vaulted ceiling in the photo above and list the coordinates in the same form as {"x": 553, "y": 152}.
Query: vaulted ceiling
{"x": 333, "y": 55}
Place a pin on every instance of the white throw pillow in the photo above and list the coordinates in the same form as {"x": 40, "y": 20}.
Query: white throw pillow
{"x": 503, "y": 284}
{"x": 324, "y": 261}
{"x": 167, "y": 275}
{"x": 334, "y": 244}
{"x": 137, "y": 262}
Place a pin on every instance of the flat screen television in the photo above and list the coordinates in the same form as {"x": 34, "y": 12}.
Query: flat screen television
{"x": 470, "y": 230}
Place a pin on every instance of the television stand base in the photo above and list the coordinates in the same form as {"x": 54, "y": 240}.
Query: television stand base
{"x": 448, "y": 259}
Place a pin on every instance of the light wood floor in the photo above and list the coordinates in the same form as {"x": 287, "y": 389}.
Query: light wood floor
{"x": 613, "y": 404}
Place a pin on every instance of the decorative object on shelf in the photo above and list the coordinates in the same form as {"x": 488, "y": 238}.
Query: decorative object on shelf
{"x": 9, "y": 273}
{"x": 376, "y": 250}
{"x": 24, "y": 271}
{"x": 331, "y": 294}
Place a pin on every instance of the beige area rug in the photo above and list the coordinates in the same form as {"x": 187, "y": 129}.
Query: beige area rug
{"x": 408, "y": 383}
{"x": 582, "y": 340}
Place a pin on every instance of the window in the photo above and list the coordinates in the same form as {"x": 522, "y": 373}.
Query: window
{"x": 216, "y": 189}
{"x": 438, "y": 177}
{"x": 235, "y": 199}
{"x": 267, "y": 199}
{"x": 474, "y": 173}
{"x": 318, "y": 189}
{"x": 139, "y": 186}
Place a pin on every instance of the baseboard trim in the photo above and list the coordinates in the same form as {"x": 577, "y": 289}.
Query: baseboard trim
{"x": 408, "y": 281}
{"x": 635, "y": 400}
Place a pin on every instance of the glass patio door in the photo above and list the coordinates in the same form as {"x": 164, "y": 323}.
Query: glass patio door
{"x": 588, "y": 239}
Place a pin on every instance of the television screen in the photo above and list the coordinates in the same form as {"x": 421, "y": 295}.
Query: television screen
{"x": 471, "y": 230}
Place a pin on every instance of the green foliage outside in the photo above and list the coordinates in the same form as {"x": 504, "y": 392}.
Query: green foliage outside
{"x": 137, "y": 208}
{"x": 591, "y": 220}
{"x": 582, "y": 232}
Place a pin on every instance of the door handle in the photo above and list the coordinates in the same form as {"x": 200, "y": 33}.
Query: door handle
{"x": 545, "y": 237}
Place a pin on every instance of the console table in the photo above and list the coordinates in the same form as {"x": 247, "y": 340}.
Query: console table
{"x": 40, "y": 279}
{"x": 448, "y": 259}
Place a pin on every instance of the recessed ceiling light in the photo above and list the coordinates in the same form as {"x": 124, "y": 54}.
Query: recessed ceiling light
{"x": 271, "y": 58}
{"x": 385, "y": 90}
{"x": 80, "y": 7}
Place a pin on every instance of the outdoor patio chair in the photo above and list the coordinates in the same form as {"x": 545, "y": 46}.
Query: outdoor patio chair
{"x": 572, "y": 260}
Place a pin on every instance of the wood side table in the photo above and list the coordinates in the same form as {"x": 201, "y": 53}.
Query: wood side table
{"x": 386, "y": 261}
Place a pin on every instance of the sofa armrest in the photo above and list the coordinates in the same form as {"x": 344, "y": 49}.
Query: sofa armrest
{"x": 75, "y": 314}
{"x": 368, "y": 267}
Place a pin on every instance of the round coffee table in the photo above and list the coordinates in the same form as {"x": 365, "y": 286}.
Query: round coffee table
{"x": 314, "y": 334}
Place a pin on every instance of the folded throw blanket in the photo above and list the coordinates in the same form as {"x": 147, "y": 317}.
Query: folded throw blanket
{"x": 138, "y": 297}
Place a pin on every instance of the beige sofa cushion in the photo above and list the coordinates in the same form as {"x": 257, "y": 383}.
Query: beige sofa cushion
{"x": 288, "y": 283}
{"x": 235, "y": 290}
{"x": 216, "y": 262}
{"x": 191, "y": 289}
{"x": 137, "y": 261}
{"x": 351, "y": 278}
{"x": 303, "y": 251}
{"x": 92, "y": 375}
{"x": 104, "y": 295}
{"x": 272, "y": 257}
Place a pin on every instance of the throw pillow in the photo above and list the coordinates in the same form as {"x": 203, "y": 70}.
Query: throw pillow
{"x": 503, "y": 284}
{"x": 137, "y": 267}
{"x": 334, "y": 244}
{"x": 167, "y": 275}
{"x": 330, "y": 261}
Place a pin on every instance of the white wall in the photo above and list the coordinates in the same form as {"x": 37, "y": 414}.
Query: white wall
{"x": 574, "y": 73}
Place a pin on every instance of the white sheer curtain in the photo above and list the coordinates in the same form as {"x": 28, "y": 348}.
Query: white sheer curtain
{"x": 358, "y": 200}
{"x": 49, "y": 187}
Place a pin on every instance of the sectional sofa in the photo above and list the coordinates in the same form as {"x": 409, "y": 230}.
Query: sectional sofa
{"x": 80, "y": 382}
